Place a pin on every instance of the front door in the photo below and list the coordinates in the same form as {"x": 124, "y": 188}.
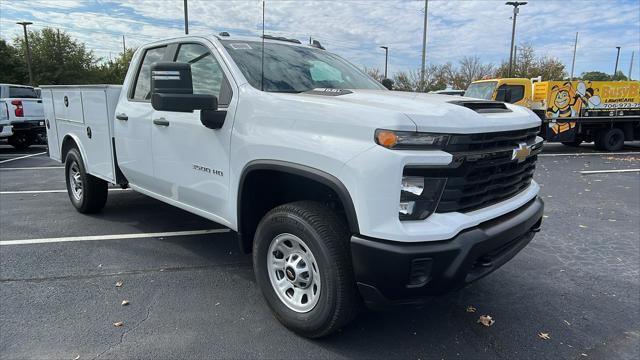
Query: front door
{"x": 190, "y": 161}
{"x": 132, "y": 125}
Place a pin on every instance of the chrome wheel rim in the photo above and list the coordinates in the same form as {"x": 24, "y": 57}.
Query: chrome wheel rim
{"x": 294, "y": 273}
{"x": 75, "y": 181}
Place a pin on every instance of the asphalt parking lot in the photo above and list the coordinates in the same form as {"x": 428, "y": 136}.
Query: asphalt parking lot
{"x": 193, "y": 295}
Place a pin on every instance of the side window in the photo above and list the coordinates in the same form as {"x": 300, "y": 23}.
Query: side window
{"x": 206, "y": 73}
{"x": 517, "y": 93}
{"x": 143, "y": 81}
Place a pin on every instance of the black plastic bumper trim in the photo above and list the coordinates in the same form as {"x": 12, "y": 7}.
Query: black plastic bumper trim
{"x": 383, "y": 268}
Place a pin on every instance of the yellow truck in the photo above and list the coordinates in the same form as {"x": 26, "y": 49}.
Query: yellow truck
{"x": 572, "y": 112}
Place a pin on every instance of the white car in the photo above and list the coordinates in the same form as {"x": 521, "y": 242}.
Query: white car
{"x": 21, "y": 116}
{"x": 345, "y": 192}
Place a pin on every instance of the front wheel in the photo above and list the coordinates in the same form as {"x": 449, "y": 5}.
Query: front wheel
{"x": 611, "y": 139}
{"x": 302, "y": 264}
{"x": 87, "y": 193}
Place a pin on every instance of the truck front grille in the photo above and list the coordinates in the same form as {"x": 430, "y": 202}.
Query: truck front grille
{"x": 483, "y": 171}
{"x": 475, "y": 187}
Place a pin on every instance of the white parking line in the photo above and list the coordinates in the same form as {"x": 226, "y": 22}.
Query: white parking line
{"x": 22, "y": 157}
{"x": 31, "y": 168}
{"x": 47, "y": 191}
{"x": 112, "y": 237}
{"x": 587, "y": 172}
{"x": 594, "y": 154}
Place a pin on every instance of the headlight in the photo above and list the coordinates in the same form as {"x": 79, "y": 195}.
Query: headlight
{"x": 410, "y": 140}
{"x": 419, "y": 197}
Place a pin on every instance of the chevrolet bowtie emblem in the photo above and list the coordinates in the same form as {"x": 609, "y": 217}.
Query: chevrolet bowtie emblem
{"x": 521, "y": 153}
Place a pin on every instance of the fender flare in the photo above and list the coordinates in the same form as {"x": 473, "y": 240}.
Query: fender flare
{"x": 304, "y": 171}
{"x": 78, "y": 143}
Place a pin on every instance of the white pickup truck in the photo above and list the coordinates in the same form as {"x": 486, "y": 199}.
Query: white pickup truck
{"x": 345, "y": 192}
{"x": 21, "y": 116}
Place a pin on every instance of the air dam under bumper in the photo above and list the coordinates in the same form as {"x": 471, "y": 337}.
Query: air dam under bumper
{"x": 389, "y": 272}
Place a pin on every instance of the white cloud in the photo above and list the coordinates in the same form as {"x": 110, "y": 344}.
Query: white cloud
{"x": 356, "y": 29}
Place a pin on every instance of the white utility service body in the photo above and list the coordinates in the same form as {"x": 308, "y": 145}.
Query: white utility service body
{"x": 431, "y": 191}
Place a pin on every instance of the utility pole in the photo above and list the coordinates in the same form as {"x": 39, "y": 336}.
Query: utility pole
{"x": 615, "y": 71}
{"x": 386, "y": 58}
{"x": 573, "y": 62}
{"x": 631, "y": 64}
{"x": 124, "y": 47}
{"x": 515, "y": 56}
{"x": 424, "y": 43}
{"x": 28, "y": 50}
{"x": 186, "y": 18}
{"x": 516, "y": 10}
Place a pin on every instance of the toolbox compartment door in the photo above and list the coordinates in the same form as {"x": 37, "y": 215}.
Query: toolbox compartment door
{"x": 97, "y": 134}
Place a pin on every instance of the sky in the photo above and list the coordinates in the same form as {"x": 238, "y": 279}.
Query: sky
{"x": 355, "y": 29}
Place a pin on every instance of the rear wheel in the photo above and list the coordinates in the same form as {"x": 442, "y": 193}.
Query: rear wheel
{"x": 87, "y": 193}
{"x": 20, "y": 140}
{"x": 611, "y": 139}
{"x": 302, "y": 263}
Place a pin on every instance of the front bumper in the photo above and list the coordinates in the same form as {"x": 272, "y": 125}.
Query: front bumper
{"x": 390, "y": 272}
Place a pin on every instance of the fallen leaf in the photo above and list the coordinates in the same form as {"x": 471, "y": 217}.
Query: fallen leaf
{"x": 77, "y": 357}
{"x": 118, "y": 323}
{"x": 125, "y": 302}
{"x": 471, "y": 309}
{"x": 583, "y": 354}
{"x": 217, "y": 304}
{"x": 544, "y": 336}
{"x": 119, "y": 284}
{"x": 566, "y": 322}
{"x": 583, "y": 226}
{"x": 486, "y": 320}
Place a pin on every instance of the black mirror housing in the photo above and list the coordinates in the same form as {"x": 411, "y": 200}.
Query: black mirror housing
{"x": 388, "y": 83}
{"x": 172, "y": 89}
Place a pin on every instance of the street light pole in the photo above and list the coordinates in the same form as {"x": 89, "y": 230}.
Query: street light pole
{"x": 28, "y": 50}
{"x": 186, "y": 19}
{"x": 515, "y": 5}
{"x": 386, "y": 58}
{"x": 424, "y": 43}
{"x": 615, "y": 71}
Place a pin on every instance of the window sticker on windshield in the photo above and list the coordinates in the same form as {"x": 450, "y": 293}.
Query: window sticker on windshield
{"x": 240, "y": 46}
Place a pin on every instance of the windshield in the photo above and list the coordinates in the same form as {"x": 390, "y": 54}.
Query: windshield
{"x": 22, "y": 92}
{"x": 481, "y": 90}
{"x": 289, "y": 68}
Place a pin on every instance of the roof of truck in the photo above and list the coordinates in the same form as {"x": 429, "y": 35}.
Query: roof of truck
{"x": 17, "y": 85}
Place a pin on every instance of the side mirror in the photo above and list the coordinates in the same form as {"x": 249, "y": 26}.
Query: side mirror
{"x": 388, "y": 83}
{"x": 172, "y": 89}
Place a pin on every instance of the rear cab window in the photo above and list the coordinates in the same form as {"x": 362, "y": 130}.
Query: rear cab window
{"x": 20, "y": 92}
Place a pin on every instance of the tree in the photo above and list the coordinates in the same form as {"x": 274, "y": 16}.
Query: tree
{"x": 12, "y": 66}
{"x": 470, "y": 70}
{"x": 527, "y": 65}
{"x": 374, "y": 73}
{"x": 595, "y": 76}
{"x": 619, "y": 76}
{"x": 403, "y": 82}
{"x": 114, "y": 71}
{"x": 57, "y": 58}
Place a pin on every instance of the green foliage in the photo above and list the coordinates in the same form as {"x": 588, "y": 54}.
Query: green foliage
{"x": 595, "y": 76}
{"x": 12, "y": 66}
{"x": 57, "y": 58}
{"x": 114, "y": 71}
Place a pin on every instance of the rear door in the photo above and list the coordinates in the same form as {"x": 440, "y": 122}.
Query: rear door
{"x": 190, "y": 161}
{"x": 132, "y": 125}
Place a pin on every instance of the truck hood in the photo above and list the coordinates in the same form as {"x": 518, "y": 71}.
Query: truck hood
{"x": 429, "y": 112}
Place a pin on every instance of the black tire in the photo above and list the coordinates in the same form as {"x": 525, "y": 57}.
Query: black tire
{"x": 327, "y": 238}
{"x": 20, "y": 140}
{"x": 611, "y": 139}
{"x": 574, "y": 143}
{"x": 93, "y": 195}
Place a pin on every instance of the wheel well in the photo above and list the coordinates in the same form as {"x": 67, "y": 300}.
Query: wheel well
{"x": 67, "y": 144}
{"x": 263, "y": 189}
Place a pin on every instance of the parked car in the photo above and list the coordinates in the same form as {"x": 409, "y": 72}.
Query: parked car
{"x": 345, "y": 192}
{"x": 22, "y": 111}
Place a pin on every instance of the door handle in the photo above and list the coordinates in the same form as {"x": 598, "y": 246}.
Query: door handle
{"x": 122, "y": 117}
{"x": 161, "y": 122}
